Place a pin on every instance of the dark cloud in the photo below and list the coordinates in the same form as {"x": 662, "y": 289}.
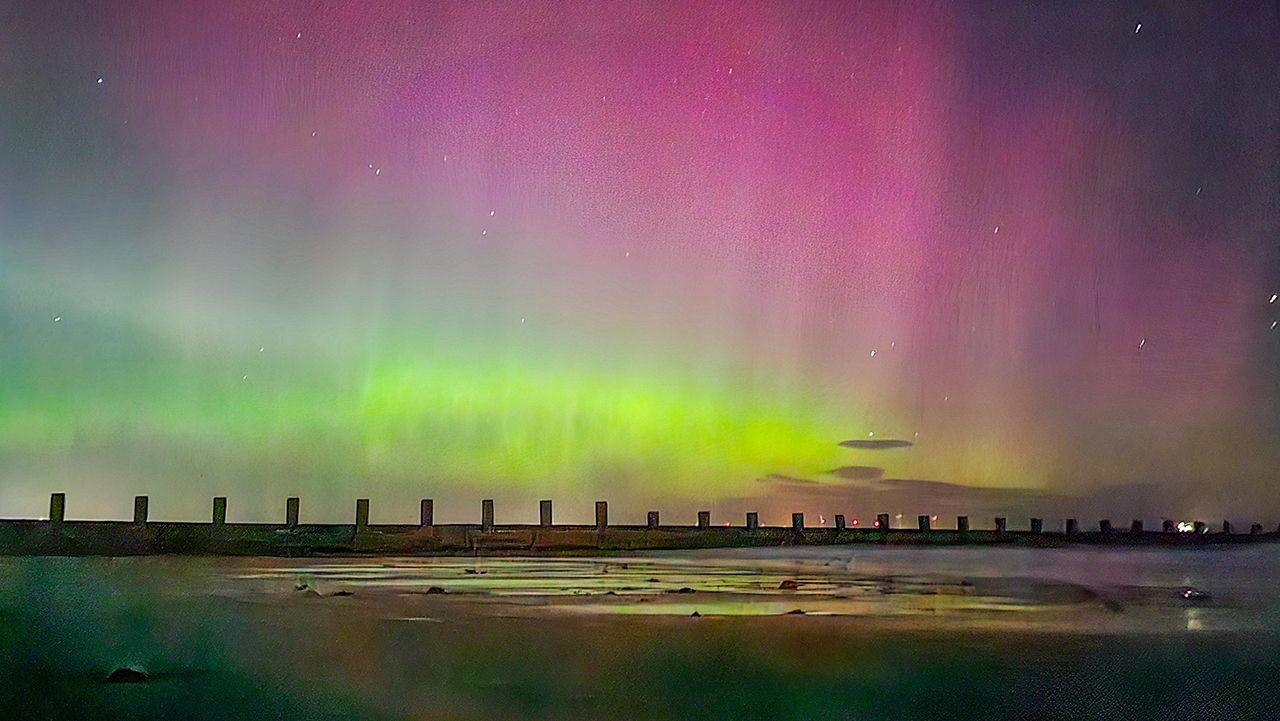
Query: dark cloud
{"x": 880, "y": 445}
{"x": 858, "y": 473}
{"x": 778, "y": 478}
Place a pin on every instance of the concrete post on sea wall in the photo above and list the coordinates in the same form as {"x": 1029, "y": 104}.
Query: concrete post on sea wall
{"x": 1072, "y": 527}
{"x": 1037, "y": 525}
{"x": 1226, "y": 527}
{"x": 1167, "y": 526}
{"x": 840, "y": 525}
{"x": 426, "y": 513}
{"x": 1104, "y": 526}
{"x": 57, "y": 508}
{"x": 882, "y": 521}
{"x": 653, "y": 519}
{"x": 1255, "y": 529}
{"x": 486, "y": 514}
{"x": 362, "y": 514}
{"x": 544, "y": 513}
{"x": 1136, "y": 526}
{"x": 923, "y": 522}
{"x": 704, "y": 519}
{"x": 1199, "y": 527}
{"x": 140, "y": 510}
{"x": 602, "y": 514}
{"x": 797, "y": 522}
{"x": 753, "y": 520}
{"x": 1001, "y": 524}
{"x": 291, "y": 511}
{"x": 219, "y": 510}
{"x": 962, "y": 524}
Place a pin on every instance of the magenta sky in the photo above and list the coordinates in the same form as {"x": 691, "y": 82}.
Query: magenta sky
{"x": 1039, "y": 242}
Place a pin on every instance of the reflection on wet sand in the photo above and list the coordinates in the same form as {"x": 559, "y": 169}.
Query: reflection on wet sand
{"x": 1065, "y": 591}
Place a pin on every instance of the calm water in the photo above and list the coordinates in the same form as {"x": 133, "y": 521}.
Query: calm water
{"x": 843, "y": 632}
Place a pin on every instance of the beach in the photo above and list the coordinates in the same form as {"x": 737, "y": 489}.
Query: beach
{"x": 837, "y": 632}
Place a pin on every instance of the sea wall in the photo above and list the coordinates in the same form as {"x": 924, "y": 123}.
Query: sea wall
{"x": 142, "y": 536}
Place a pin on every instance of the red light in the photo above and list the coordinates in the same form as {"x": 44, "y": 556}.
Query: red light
{"x": 876, "y": 523}
{"x": 855, "y": 521}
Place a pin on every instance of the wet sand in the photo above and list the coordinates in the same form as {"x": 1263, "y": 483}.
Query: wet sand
{"x": 908, "y": 633}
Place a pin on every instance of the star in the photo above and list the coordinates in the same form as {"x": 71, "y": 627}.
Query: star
{"x": 1137, "y": 29}
{"x": 1274, "y": 296}
{"x": 1142, "y": 342}
{"x": 57, "y": 319}
{"x": 99, "y": 81}
{"x": 873, "y": 352}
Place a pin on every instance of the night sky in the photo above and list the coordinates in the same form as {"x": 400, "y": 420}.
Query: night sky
{"x": 667, "y": 254}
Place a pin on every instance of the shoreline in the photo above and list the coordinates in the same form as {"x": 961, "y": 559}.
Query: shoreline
{"x": 177, "y": 538}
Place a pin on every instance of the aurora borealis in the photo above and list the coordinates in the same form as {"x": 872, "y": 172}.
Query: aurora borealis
{"x": 649, "y": 252}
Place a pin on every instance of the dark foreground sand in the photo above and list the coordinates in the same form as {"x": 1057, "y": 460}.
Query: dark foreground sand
{"x": 907, "y": 635}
